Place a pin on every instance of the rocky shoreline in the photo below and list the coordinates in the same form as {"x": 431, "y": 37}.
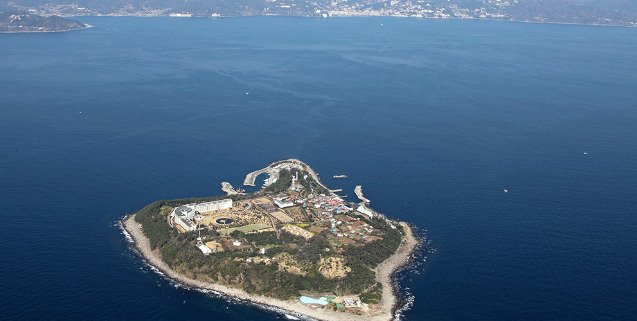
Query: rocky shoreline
{"x": 384, "y": 272}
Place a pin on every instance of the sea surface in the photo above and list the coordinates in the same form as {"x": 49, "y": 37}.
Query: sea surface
{"x": 435, "y": 118}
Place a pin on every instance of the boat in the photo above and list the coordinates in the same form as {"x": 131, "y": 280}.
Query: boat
{"x": 340, "y": 176}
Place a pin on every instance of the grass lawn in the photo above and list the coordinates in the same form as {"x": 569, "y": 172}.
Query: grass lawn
{"x": 245, "y": 229}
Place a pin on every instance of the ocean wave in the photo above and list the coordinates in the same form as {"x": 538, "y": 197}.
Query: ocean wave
{"x": 127, "y": 236}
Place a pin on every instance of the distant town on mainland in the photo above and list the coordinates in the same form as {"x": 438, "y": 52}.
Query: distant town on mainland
{"x": 609, "y": 12}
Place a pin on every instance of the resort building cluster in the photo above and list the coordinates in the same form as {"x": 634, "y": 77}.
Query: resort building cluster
{"x": 184, "y": 214}
{"x": 289, "y": 212}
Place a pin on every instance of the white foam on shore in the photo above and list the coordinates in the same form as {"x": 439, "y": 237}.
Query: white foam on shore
{"x": 417, "y": 260}
{"x": 120, "y": 224}
{"x": 399, "y": 313}
{"x": 156, "y": 270}
{"x": 132, "y": 247}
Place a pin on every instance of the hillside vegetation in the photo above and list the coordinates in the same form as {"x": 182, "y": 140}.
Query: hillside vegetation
{"x": 27, "y": 22}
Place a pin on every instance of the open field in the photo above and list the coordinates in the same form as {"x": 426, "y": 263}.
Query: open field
{"x": 246, "y": 229}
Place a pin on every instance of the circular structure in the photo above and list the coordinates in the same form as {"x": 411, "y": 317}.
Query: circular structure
{"x": 185, "y": 211}
{"x": 224, "y": 221}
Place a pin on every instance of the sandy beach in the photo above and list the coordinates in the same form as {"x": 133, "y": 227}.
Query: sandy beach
{"x": 384, "y": 273}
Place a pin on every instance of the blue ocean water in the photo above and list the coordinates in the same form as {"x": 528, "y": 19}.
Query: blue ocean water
{"x": 434, "y": 118}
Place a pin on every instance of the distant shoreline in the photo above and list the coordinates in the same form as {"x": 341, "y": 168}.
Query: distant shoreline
{"x": 86, "y": 26}
{"x": 384, "y": 273}
{"x": 359, "y": 16}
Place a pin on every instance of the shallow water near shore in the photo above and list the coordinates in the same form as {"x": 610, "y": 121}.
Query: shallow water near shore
{"x": 434, "y": 118}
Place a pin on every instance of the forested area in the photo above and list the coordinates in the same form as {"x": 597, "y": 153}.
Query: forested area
{"x": 376, "y": 251}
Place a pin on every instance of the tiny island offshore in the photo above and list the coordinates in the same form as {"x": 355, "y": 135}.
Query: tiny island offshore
{"x": 294, "y": 245}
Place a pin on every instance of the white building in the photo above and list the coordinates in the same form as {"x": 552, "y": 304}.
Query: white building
{"x": 352, "y": 302}
{"x": 186, "y": 223}
{"x": 183, "y": 216}
{"x": 365, "y": 211}
{"x": 204, "y": 249}
{"x": 282, "y": 202}
{"x": 212, "y": 206}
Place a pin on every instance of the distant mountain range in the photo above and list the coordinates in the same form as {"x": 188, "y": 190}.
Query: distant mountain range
{"x": 11, "y": 22}
{"x": 603, "y": 12}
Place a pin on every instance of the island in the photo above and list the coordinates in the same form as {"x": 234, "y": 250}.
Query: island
{"x": 19, "y": 22}
{"x": 293, "y": 245}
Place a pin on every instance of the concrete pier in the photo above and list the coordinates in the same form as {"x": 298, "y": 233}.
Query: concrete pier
{"x": 359, "y": 193}
{"x": 273, "y": 170}
{"x": 251, "y": 177}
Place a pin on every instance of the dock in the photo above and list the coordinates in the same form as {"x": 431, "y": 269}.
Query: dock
{"x": 273, "y": 171}
{"x": 251, "y": 177}
{"x": 359, "y": 193}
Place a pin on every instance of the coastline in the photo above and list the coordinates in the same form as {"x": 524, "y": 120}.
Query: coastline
{"x": 86, "y": 26}
{"x": 360, "y": 16}
{"x": 384, "y": 273}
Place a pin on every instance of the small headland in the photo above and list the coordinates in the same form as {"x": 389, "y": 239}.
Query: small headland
{"x": 20, "y": 22}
